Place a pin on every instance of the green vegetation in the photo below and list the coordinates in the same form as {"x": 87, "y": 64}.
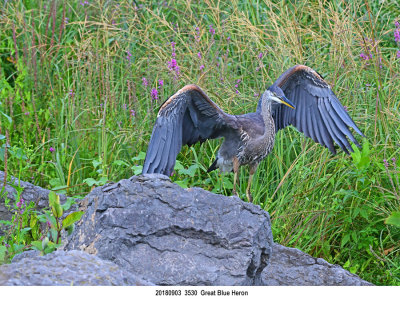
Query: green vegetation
{"x": 81, "y": 81}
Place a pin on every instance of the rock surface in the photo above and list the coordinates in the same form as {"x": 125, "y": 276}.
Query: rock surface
{"x": 172, "y": 236}
{"x": 31, "y": 192}
{"x": 66, "y": 268}
{"x": 290, "y": 266}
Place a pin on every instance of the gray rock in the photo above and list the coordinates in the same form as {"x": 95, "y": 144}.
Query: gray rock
{"x": 66, "y": 268}
{"x": 290, "y": 266}
{"x": 172, "y": 236}
{"x": 30, "y": 193}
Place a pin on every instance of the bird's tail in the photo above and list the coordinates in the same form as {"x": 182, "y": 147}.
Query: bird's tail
{"x": 213, "y": 166}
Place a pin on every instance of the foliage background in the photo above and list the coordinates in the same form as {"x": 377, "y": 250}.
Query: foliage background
{"x": 80, "y": 83}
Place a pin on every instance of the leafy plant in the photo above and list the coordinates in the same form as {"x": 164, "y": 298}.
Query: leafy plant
{"x": 53, "y": 218}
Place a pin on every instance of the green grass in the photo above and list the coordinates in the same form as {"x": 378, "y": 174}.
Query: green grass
{"x": 69, "y": 86}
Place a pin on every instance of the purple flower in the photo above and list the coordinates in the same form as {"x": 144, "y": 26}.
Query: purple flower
{"x": 197, "y": 36}
{"x": 386, "y": 163}
{"x": 26, "y": 113}
{"x": 256, "y": 94}
{"x": 128, "y": 55}
{"x": 160, "y": 82}
{"x": 124, "y": 107}
{"x": 238, "y": 81}
{"x": 7, "y": 245}
{"x": 394, "y": 161}
{"x": 398, "y": 54}
{"x": 345, "y": 108}
{"x": 145, "y": 82}
{"x": 260, "y": 55}
{"x": 397, "y": 35}
{"x": 48, "y": 224}
{"x": 364, "y": 56}
{"x": 71, "y": 93}
{"x": 212, "y": 30}
{"x": 173, "y": 44}
{"x": 201, "y": 67}
{"x": 133, "y": 113}
{"x": 236, "y": 85}
{"x": 21, "y": 201}
{"x": 199, "y": 55}
{"x": 51, "y": 149}
{"x": 397, "y": 24}
{"x": 228, "y": 38}
{"x": 154, "y": 94}
{"x": 172, "y": 64}
{"x": 237, "y": 91}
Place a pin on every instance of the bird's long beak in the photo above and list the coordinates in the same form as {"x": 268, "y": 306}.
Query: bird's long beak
{"x": 287, "y": 102}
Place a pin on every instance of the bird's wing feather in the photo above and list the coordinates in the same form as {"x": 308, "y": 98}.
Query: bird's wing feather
{"x": 318, "y": 113}
{"x": 188, "y": 117}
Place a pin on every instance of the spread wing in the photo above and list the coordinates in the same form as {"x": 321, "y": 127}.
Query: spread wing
{"x": 188, "y": 117}
{"x": 318, "y": 112}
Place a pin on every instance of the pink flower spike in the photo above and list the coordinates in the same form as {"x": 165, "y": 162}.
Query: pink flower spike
{"x": 260, "y": 55}
{"x": 160, "y": 82}
{"x": 145, "y": 82}
{"x": 51, "y": 149}
{"x": 201, "y": 67}
{"x": 199, "y": 55}
{"x": 154, "y": 94}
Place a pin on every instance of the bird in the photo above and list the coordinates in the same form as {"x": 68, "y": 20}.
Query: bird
{"x": 299, "y": 97}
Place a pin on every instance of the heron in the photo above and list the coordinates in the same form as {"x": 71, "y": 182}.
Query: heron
{"x": 299, "y": 97}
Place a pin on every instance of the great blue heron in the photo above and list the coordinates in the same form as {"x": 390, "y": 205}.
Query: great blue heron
{"x": 299, "y": 97}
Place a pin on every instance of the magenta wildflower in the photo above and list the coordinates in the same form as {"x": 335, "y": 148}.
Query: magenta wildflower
{"x": 237, "y": 91}
{"x": 397, "y": 35}
{"x": 128, "y": 55}
{"x": 201, "y": 67}
{"x": 71, "y": 93}
{"x": 228, "y": 38}
{"x": 345, "y": 108}
{"x": 212, "y": 30}
{"x": 133, "y": 113}
{"x": 394, "y": 161}
{"x": 364, "y": 56}
{"x": 154, "y": 94}
{"x": 51, "y": 149}
{"x": 398, "y": 54}
{"x": 20, "y": 203}
{"x": 199, "y": 55}
{"x": 124, "y": 106}
{"x": 7, "y": 245}
{"x": 256, "y": 94}
{"x": 260, "y": 55}
{"x": 48, "y": 224}
{"x": 173, "y": 44}
{"x": 385, "y": 163}
{"x": 197, "y": 36}
{"x": 236, "y": 85}
{"x": 145, "y": 82}
{"x": 26, "y": 113}
{"x": 160, "y": 82}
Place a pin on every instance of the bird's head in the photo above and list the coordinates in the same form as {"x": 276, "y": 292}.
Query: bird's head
{"x": 276, "y": 95}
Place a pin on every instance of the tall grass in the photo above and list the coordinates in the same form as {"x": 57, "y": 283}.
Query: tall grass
{"x": 71, "y": 79}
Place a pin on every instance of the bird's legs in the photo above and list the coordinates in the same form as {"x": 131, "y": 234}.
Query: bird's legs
{"x": 253, "y": 169}
{"x": 235, "y": 172}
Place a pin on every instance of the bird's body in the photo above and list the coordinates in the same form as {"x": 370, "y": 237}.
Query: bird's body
{"x": 252, "y": 142}
{"x": 189, "y": 116}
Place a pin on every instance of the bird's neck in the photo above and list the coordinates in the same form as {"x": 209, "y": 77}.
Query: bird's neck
{"x": 266, "y": 113}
